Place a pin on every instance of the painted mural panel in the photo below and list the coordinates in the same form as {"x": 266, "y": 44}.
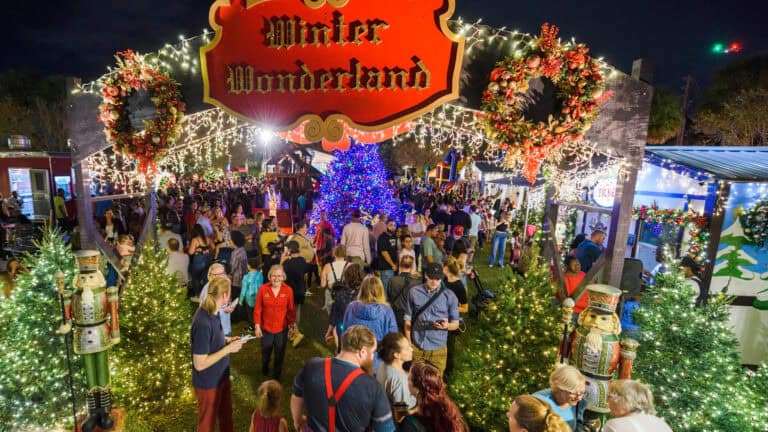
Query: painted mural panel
{"x": 742, "y": 256}
{"x": 742, "y": 267}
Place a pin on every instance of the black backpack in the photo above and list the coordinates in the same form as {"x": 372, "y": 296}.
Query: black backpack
{"x": 339, "y": 284}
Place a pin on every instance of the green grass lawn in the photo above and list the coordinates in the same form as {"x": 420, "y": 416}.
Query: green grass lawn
{"x": 246, "y": 364}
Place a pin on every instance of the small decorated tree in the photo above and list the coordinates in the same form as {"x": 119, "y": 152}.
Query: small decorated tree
{"x": 152, "y": 369}
{"x": 357, "y": 179}
{"x": 34, "y": 387}
{"x": 511, "y": 349}
{"x": 690, "y": 359}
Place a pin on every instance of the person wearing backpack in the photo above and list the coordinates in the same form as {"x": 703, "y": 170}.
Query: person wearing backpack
{"x": 398, "y": 288}
{"x": 331, "y": 275}
{"x": 433, "y": 311}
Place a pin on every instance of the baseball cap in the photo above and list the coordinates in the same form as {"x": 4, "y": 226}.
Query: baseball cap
{"x": 458, "y": 230}
{"x": 434, "y": 271}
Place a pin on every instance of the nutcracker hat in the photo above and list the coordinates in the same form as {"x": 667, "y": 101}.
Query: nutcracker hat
{"x": 603, "y": 299}
{"x": 87, "y": 261}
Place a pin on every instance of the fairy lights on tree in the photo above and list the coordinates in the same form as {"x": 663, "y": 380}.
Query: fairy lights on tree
{"x": 511, "y": 351}
{"x": 34, "y": 387}
{"x": 357, "y": 179}
{"x": 690, "y": 358}
{"x": 152, "y": 363}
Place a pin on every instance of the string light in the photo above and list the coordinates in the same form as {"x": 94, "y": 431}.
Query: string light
{"x": 212, "y": 133}
{"x": 689, "y": 357}
{"x": 524, "y": 326}
{"x": 150, "y": 367}
{"x": 357, "y": 179}
{"x": 34, "y": 383}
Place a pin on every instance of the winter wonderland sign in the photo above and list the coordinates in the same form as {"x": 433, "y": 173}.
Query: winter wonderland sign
{"x": 326, "y": 63}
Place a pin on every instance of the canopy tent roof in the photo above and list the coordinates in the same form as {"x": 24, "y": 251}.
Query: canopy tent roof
{"x": 724, "y": 163}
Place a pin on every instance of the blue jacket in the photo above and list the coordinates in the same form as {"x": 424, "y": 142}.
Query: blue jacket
{"x": 377, "y": 317}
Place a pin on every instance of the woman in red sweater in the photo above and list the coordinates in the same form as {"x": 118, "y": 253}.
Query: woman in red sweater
{"x": 273, "y": 315}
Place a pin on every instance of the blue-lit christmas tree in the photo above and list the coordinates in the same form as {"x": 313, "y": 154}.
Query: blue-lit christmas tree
{"x": 357, "y": 179}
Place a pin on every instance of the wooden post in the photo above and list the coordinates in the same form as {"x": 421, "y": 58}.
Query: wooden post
{"x": 715, "y": 230}
{"x": 619, "y": 231}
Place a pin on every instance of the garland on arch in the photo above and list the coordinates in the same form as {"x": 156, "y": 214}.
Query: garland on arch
{"x": 133, "y": 74}
{"x": 697, "y": 224}
{"x": 580, "y": 91}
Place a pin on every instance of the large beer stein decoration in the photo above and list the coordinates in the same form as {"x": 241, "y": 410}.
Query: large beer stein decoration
{"x": 91, "y": 310}
{"x": 597, "y": 351}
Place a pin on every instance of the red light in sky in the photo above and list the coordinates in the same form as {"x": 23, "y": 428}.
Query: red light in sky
{"x": 735, "y": 47}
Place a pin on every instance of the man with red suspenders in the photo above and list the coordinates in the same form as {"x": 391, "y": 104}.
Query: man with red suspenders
{"x": 339, "y": 394}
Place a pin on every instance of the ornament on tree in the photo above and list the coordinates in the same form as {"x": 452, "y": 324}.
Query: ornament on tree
{"x": 755, "y": 223}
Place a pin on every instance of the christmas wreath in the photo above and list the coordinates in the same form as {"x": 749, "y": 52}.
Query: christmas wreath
{"x": 755, "y": 223}
{"x": 151, "y": 144}
{"x": 580, "y": 89}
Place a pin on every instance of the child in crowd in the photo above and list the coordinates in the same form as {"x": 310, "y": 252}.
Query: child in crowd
{"x": 629, "y": 328}
{"x": 266, "y": 417}
{"x": 125, "y": 250}
{"x": 573, "y": 277}
{"x": 251, "y": 283}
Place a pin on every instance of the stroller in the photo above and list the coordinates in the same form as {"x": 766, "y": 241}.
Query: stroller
{"x": 483, "y": 297}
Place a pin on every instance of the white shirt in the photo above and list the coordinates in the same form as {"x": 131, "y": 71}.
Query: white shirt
{"x": 406, "y": 252}
{"x": 178, "y": 263}
{"x": 476, "y": 221}
{"x": 162, "y": 239}
{"x": 637, "y": 423}
{"x": 355, "y": 241}
{"x": 416, "y": 227}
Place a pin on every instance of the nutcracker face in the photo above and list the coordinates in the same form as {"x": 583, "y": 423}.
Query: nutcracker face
{"x": 605, "y": 323}
{"x": 90, "y": 280}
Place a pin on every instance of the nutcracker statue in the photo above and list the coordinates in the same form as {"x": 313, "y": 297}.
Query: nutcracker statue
{"x": 93, "y": 308}
{"x": 595, "y": 349}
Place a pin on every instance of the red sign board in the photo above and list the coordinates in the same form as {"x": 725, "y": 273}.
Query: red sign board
{"x": 323, "y": 63}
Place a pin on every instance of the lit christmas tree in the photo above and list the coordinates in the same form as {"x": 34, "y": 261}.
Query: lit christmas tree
{"x": 511, "y": 350}
{"x": 152, "y": 362}
{"x": 357, "y": 179}
{"x": 34, "y": 380}
{"x": 690, "y": 358}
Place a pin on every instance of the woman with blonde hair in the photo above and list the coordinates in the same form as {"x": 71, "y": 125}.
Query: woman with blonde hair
{"x": 565, "y": 395}
{"x": 332, "y": 273}
{"x": 631, "y": 405}
{"x": 372, "y": 310}
{"x": 210, "y": 360}
{"x": 530, "y": 414}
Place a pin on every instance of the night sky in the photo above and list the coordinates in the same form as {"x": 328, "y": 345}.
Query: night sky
{"x": 79, "y": 37}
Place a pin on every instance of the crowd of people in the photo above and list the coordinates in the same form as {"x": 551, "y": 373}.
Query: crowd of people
{"x": 394, "y": 291}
